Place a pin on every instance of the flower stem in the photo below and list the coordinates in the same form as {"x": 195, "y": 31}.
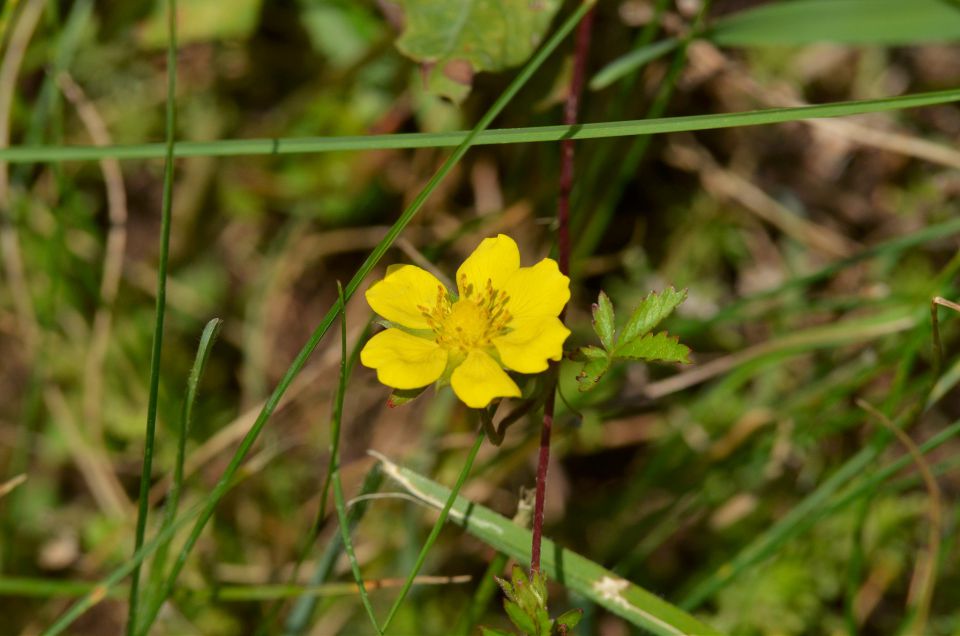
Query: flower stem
{"x": 570, "y": 112}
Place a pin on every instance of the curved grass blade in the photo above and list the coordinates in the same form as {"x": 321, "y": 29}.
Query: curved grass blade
{"x": 207, "y": 339}
{"x": 631, "y": 62}
{"x": 537, "y": 134}
{"x": 576, "y": 572}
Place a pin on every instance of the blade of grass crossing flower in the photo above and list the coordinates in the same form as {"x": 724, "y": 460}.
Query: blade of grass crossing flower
{"x": 226, "y": 480}
{"x": 335, "y": 466}
{"x": 165, "y": 219}
{"x": 538, "y": 134}
{"x": 299, "y": 619}
{"x": 642, "y": 608}
{"x": 437, "y": 527}
{"x": 207, "y": 339}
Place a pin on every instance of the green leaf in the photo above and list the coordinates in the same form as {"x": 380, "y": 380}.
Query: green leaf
{"x": 455, "y": 39}
{"x": 603, "y": 320}
{"x": 881, "y": 22}
{"x": 632, "y": 61}
{"x": 654, "y": 308}
{"x": 489, "y": 631}
{"x": 661, "y": 346}
{"x": 596, "y": 366}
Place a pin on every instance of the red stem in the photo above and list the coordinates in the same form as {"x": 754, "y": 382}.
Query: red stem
{"x": 570, "y": 111}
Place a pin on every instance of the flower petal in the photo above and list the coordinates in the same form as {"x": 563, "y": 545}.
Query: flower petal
{"x": 399, "y": 296}
{"x": 479, "y": 379}
{"x": 402, "y": 360}
{"x": 495, "y": 259}
{"x": 537, "y": 291}
{"x": 531, "y": 343}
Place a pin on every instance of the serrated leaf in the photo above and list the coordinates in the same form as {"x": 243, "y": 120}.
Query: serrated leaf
{"x": 455, "y": 39}
{"x": 603, "y": 321}
{"x": 399, "y": 397}
{"x": 592, "y": 371}
{"x": 652, "y": 309}
{"x": 661, "y": 346}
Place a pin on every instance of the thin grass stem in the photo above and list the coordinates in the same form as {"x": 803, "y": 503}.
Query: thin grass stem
{"x": 172, "y": 505}
{"x": 155, "y": 353}
{"x": 435, "y": 532}
{"x": 533, "y": 134}
{"x": 335, "y": 466}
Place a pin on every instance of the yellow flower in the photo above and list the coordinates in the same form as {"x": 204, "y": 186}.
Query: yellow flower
{"x": 505, "y": 316}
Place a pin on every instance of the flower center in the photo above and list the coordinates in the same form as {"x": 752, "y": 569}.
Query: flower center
{"x": 472, "y": 321}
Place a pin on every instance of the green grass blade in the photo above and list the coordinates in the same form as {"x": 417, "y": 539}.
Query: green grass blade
{"x": 815, "y": 506}
{"x": 155, "y": 353}
{"x": 226, "y": 480}
{"x": 482, "y": 596}
{"x": 298, "y": 621}
{"x": 102, "y": 589}
{"x": 207, "y": 340}
{"x": 437, "y": 527}
{"x": 880, "y": 22}
{"x": 631, "y": 62}
{"x": 540, "y": 134}
{"x": 335, "y": 466}
{"x": 640, "y": 607}
{"x": 25, "y": 587}
{"x": 332, "y": 465}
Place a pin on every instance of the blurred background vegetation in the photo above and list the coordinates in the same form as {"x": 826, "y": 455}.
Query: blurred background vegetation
{"x": 810, "y": 251}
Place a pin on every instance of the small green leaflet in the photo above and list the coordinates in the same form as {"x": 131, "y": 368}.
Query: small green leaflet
{"x": 636, "y": 340}
{"x": 455, "y": 39}
{"x": 526, "y": 605}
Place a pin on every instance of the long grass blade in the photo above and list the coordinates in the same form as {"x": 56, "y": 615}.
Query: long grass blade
{"x": 299, "y": 618}
{"x": 437, "y": 527}
{"x": 161, "y": 306}
{"x": 335, "y": 466}
{"x": 877, "y": 22}
{"x": 539, "y": 134}
{"x": 631, "y": 602}
{"x": 207, "y": 340}
{"x": 332, "y": 465}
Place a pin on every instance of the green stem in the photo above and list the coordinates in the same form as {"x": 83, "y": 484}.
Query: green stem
{"x": 435, "y": 532}
{"x": 165, "y": 217}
